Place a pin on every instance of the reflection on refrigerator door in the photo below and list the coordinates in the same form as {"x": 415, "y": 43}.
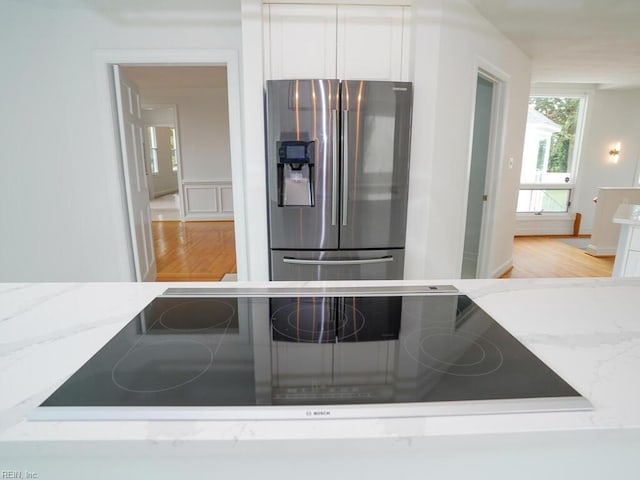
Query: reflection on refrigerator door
{"x": 335, "y": 319}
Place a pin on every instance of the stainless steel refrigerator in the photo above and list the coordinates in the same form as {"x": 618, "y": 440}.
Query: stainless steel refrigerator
{"x": 338, "y": 167}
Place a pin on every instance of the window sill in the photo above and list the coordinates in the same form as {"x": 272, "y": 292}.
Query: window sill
{"x": 544, "y": 215}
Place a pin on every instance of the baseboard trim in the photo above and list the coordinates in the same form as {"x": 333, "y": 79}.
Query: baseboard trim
{"x": 203, "y": 217}
{"x": 502, "y": 269}
{"x": 162, "y": 193}
{"x": 596, "y": 251}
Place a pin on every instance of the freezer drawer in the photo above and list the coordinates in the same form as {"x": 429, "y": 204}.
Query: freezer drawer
{"x": 337, "y": 265}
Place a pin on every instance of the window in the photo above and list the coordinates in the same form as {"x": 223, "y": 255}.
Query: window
{"x": 550, "y": 156}
{"x": 544, "y": 200}
{"x": 153, "y": 150}
{"x": 152, "y": 139}
{"x": 172, "y": 146}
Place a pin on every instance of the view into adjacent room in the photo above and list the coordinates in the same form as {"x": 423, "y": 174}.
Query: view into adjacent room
{"x": 187, "y": 155}
{"x": 549, "y": 241}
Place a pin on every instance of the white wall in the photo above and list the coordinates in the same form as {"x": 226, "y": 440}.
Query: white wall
{"x": 205, "y": 155}
{"x": 612, "y": 116}
{"x": 203, "y": 121}
{"x": 61, "y": 203}
{"x": 450, "y": 40}
{"x": 163, "y": 116}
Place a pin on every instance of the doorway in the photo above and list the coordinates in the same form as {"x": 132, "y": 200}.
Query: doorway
{"x": 195, "y": 164}
{"x": 163, "y": 158}
{"x": 484, "y": 152}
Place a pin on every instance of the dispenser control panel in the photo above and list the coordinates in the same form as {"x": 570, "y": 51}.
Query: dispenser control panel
{"x": 295, "y": 151}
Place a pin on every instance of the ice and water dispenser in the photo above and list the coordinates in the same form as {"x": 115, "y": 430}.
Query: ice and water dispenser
{"x": 295, "y": 173}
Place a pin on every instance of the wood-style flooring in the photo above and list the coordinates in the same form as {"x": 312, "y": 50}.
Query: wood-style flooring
{"x": 205, "y": 251}
{"x": 548, "y": 257}
{"x": 194, "y": 251}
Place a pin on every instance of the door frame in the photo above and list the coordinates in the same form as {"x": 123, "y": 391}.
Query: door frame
{"x": 175, "y": 126}
{"x": 499, "y": 79}
{"x": 104, "y": 61}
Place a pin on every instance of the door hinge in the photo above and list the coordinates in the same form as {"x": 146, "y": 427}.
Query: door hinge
{"x": 485, "y": 198}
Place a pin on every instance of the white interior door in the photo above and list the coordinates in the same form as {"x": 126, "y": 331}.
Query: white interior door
{"x": 136, "y": 172}
{"x": 478, "y": 192}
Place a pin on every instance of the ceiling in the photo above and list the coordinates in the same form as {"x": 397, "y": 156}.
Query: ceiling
{"x": 573, "y": 41}
{"x": 569, "y": 41}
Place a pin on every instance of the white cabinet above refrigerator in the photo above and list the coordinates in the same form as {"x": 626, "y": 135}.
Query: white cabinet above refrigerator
{"x": 363, "y": 42}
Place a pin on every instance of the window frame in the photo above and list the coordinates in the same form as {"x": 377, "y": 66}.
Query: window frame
{"x": 154, "y": 165}
{"x": 173, "y": 149}
{"x": 573, "y": 162}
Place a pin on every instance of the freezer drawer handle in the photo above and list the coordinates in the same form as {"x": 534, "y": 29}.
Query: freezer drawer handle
{"x": 365, "y": 261}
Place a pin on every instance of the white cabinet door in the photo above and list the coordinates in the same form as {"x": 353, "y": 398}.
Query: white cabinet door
{"x": 300, "y": 41}
{"x": 632, "y": 267}
{"x": 627, "y": 262}
{"x": 635, "y": 239}
{"x": 372, "y": 42}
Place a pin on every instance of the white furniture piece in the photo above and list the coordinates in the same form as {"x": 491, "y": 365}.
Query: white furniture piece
{"x": 604, "y": 233}
{"x": 361, "y": 42}
{"x": 627, "y": 263}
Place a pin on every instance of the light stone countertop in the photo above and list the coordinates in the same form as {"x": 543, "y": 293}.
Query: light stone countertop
{"x": 627, "y": 214}
{"x": 587, "y": 330}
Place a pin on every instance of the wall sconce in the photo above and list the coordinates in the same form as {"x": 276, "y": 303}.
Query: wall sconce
{"x": 614, "y": 153}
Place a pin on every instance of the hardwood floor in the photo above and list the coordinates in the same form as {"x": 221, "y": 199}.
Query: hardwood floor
{"x": 205, "y": 251}
{"x": 194, "y": 251}
{"x": 547, "y": 257}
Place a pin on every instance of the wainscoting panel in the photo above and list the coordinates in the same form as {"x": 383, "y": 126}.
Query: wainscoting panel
{"x": 208, "y": 199}
{"x": 226, "y": 199}
{"x": 550, "y": 224}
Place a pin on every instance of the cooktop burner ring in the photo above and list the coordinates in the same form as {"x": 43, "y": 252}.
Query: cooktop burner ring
{"x": 198, "y": 351}
{"x": 447, "y": 336}
{"x": 166, "y": 321}
{"x": 486, "y": 356}
{"x": 293, "y": 320}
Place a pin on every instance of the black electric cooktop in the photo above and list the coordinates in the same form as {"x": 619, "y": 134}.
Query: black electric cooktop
{"x": 310, "y": 356}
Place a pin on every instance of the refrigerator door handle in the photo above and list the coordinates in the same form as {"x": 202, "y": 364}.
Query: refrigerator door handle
{"x": 345, "y": 166}
{"x": 334, "y": 185}
{"x": 365, "y": 261}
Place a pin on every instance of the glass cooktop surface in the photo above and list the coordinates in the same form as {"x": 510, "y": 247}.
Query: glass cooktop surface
{"x": 313, "y": 353}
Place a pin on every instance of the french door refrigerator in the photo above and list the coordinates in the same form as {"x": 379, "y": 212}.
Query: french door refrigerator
{"x": 338, "y": 167}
